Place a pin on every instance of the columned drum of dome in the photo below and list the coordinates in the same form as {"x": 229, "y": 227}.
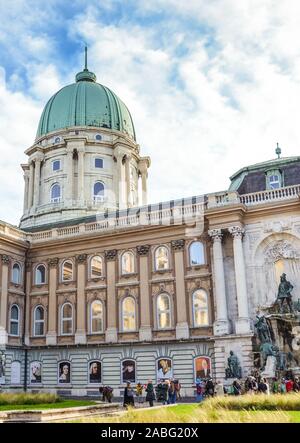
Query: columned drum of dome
{"x": 85, "y": 103}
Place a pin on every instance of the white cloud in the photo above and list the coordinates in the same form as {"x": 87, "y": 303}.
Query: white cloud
{"x": 221, "y": 104}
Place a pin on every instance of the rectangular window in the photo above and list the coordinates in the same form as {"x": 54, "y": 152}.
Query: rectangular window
{"x": 274, "y": 181}
{"x": 56, "y": 165}
{"x": 98, "y": 163}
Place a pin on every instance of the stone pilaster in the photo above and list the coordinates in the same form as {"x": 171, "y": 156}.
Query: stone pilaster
{"x": 221, "y": 324}
{"x": 37, "y": 177}
{"x": 51, "y": 337}
{"x": 144, "y": 164}
{"x": 81, "y": 175}
{"x": 28, "y": 275}
{"x": 70, "y": 176}
{"x": 127, "y": 180}
{"x": 5, "y": 262}
{"x": 80, "y": 334}
{"x": 111, "y": 334}
{"x": 30, "y": 187}
{"x": 182, "y": 327}
{"x": 145, "y": 332}
{"x": 26, "y": 190}
{"x": 242, "y": 325}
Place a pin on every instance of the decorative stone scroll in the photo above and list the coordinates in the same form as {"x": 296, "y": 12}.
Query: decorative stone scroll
{"x": 111, "y": 254}
{"x": 81, "y": 258}
{"x": 215, "y": 234}
{"x": 236, "y": 231}
{"x": 5, "y": 259}
{"x": 53, "y": 262}
{"x": 143, "y": 250}
{"x": 177, "y": 245}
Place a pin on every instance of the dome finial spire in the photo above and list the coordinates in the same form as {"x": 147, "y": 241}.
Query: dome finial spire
{"x": 85, "y": 57}
{"x": 278, "y": 150}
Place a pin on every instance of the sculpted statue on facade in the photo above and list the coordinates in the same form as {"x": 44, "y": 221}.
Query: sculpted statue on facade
{"x": 284, "y": 293}
{"x": 233, "y": 369}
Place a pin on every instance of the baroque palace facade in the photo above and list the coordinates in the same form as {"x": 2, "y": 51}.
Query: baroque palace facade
{"x": 97, "y": 287}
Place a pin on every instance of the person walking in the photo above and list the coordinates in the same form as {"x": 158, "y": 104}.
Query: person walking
{"x": 150, "y": 396}
{"x": 210, "y": 388}
{"x": 128, "y": 396}
{"x": 263, "y": 387}
{"x": 177, "y": 389}
{"x": 275, "y": 386}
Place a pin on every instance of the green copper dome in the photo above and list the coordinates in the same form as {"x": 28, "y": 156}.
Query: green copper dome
{"x": 85, "y": 103}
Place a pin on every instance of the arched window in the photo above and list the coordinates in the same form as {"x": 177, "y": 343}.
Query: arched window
{"x": 98, "y": 192}
{"x": 128, "y": 314}
{"x": 16, "y": 274}
{"x": 200, "y": 308}
{"x": 161, "y": 258}
{"x": 197, "y": 253}
{"x": 67, "y": 319}
{"x": 163, "y": 311}
{"x": 127, "y": 263}
{"x": 14, "y": 320}
{"x": 96, "y": 267}
{"x": 96, "y": 317}
{"x": 67, "y": 271}
{"x": 39, "y": 321}
{"x": 55, "y": 193}
{"x": 40, "y": 275}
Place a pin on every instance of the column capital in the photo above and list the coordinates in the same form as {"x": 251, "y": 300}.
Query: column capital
{"x": 236, "y": 232}
{"x": 143, "y": 250}
{"x": 215, "y": 234}
{"x": 5, "y": 259}
{"x": 178, "y": 245}
{"x": 111, "y": 254}
{"x": 28, "y": 265}
{"x": 52, "y": 262}
{"x": 81, "y": 258}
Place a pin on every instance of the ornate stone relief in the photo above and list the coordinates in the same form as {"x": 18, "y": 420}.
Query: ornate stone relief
{"x": 81, "y": 258}
{"x": 177, "y": 245}
{"x": 215, "y": 234}
{"x": 111, "y": 254}
{"x": 53, "y": 262}
{"x": 281, "y": 249}
{"x": 277, "y": 226}
{"x": 5, "y": 259}
{"x": 143, "y": 249}
{"x": 236, "y": 231}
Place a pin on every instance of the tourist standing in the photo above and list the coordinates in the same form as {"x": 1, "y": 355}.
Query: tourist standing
{"x": 282, "y": 386}
{"x": 237, "y": 388}
{"x": 139, "y": 393}
{"x": 275, "y": 386}
{"x": 210, "y": 388}
{"x": 263, "y": 387}
{"x": 219, "y": 389}
{"x": 177, "y": 389}
{"x": 296, "y": 386}
{"x": 289, "y": 385}
{"x": 172, "y": 393}
{"x": 150, "y": 396}
{"x": 128, "y": 396}
{"x": 199, "y": 390}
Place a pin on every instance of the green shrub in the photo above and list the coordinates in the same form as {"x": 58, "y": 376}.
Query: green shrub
{"x": 28, "y": 399}
{"x": 273, "y": 402}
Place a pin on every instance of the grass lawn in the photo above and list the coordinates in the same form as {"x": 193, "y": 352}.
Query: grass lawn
{"x": 243, "y": 409}
{"x": 57, "y": 405}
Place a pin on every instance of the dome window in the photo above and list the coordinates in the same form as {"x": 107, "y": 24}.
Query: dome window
{"x": 274, "y": 179}
{"x": 99, "y": 163}
{"x": 57, "y": 140}
{"x": 98, "y": 192}
{"x": 98, "y": 137}
{"x": 56, "y": 165}
{"x": 55, "y": 193}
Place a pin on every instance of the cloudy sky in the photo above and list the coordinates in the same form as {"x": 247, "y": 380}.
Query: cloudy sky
{"x": 212, "y": 85}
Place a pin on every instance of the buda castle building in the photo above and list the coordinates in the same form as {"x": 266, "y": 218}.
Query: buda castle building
{"x": 98, "y": 288}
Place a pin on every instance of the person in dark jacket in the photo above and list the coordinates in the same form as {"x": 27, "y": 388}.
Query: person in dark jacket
{"x": 150, "y": 396}
{"x": 162, "y": 392}
{"x": 107, "y": 393}
{"x": 237, "y": 388}
{"x": 209, "y": 388}
{"x": 128, "y": 396}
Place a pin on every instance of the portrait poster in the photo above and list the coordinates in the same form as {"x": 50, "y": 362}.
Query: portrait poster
{"x": 202, "y": 367}
{"x": 94, "y": 371}
{"x": 164, "y": 369}
{"x": 128, "y": 371}
{"x": 64, "y": 372}
{"x": 35, "y": 372}
{"x": 15, "y": 373}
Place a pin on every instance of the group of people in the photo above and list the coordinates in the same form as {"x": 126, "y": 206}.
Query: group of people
{"x": 166, "y": 392}
{"x": 252, "y": 385}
